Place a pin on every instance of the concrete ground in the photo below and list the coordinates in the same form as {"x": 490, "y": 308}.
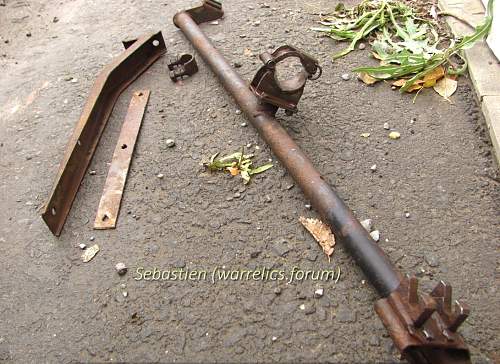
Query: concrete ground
{"x": 55, "y": 308}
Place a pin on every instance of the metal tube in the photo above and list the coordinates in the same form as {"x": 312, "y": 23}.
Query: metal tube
{"x": 372, "y": 260}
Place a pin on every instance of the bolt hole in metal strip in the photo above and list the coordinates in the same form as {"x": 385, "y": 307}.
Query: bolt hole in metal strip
{"x": 109, "y": 205}
{"x": 109, "y": 85}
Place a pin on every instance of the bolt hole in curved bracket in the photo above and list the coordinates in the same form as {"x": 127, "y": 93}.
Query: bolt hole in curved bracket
{"x": 283, "y": 94}
{"x": 139, "y": 55}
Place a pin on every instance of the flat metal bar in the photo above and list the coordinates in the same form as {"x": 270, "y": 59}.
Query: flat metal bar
{"x": 368, "y": 255}
{"x": 111, "y": 198}
{"x": 110, "y": 83}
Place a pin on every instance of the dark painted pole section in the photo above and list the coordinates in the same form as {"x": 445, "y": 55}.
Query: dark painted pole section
{"x": 372, "y": 260}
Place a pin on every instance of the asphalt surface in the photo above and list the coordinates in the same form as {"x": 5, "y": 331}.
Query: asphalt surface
{"x": 55, "y": 308}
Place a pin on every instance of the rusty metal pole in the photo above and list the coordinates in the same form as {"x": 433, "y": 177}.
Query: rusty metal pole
{"x": 423, "y": 327}
{"x": 379, "y": 270}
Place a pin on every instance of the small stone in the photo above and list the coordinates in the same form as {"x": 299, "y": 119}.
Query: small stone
{"x": 215, "y": 22}
{"x": 255, "y": 254}
{"x": 170, "y": 143}
{"x": 277, "y": 291}
{"x": 237, "y": 65}
{"x": 82, "y": 246}
{"x": 407, "y": 215}
{"x": 362, "y": 46}
{"x": 394, "y": 135}
{"x": 375, "y": 234}
{"x": 318, "y": 293}
{"x": 386, "y": 126}
{"x": 373, "y": 168}
{"x": 92, "y": 173}
{"x": 74, "y": 80}
{"x": 90, "y": 253}
{"x": 28, "y": 34}
{"x": 121, "y": 268}
{"x": 55, "y": 20}
{"x": 431, "y": 260}
{"x": 160, "y": 175}
{"x": 302, "y": 307}
{"x": 125, "y": 294}
{"x": 238, "y": 112}
{"x": 367, "y": 224}
{"x": 274, "y": 338}
{"x": 365, "y": 135}
{"x": 243, "y": 35}
{"x": 265, "y": 6}
{"x": 346, "y": 76}
{"x": 307, "y": 206}
{"x": 244, "y": 124}
{"x": 256, "y": 23}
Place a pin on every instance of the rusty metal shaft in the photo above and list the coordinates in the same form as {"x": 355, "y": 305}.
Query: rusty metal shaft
{"x": 372, "y": 260}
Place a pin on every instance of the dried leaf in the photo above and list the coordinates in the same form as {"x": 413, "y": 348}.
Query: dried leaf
{"x": 415, "y": 87}
{"x": 366, "y": 78}
{"x": 233, "y": 170}
{"x": 446, "y": 87}
{"x": 90, "y": 253}
{"x": 432, "y": 77}
{"x": 400, "y": 82}
{"x": 321, "y": 232}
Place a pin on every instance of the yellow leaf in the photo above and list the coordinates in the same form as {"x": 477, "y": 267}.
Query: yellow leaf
{"x": 446, "y": 87}
{"x": 414, "y": 87}
{"x": 366, "y": 78}
{"x": 435, "y": 74}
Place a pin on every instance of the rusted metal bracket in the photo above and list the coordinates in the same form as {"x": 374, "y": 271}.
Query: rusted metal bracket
{"x": 283, "y": 94}
{"x": 111, "y": 198}
{"x": 422, "y": 326}
{"x": 210, "y": 10}
{"x": 184, "y": 65}
{"x": 110, "y": 83}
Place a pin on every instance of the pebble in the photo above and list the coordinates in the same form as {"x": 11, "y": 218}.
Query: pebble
{"x": 365, "y": 135}
{"x": 92, "y": 173}
{"x": 82, "y": 246}
{"x": 265, "y": 6}
{"x": 362, "y": 46}
{"x": 307, "y": 206}
{"x": 238, "y": 112}
{"x": 55, "y": 20}
{"x": 431, "y": 260}
{"x": 346, "y": 76}
{"x": 386, "y": 126}
{"x": 256, "y": 23}
{"x": 244, "y": 124}
{"x": 373, "y": 168}
{"x": 237, "y": 65}
{"x": 367, "y": 224}
{"x": 274, "y": 338}
{"x": 92, "y": 238}
{"x": 121, "y": 268}
{"x": 160, "y": 175}
{"x": 215, "y": 22}
{"x": 407, "y": 214}
{"x": 170, "y": 143}
{"x": 375, "y": 234}
{"x": 125, "y": 294}
{"x": 277, "y": 291}
{"x": 302, "y": 307}
{"x": 318, "y": 293}
{"x": 394, "y": 135}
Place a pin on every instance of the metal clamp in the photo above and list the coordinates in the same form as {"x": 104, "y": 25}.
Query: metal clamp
{"x": 210, "y": 10}
{"x": 283, "y": 94}
{"x": 424, "y": 327}
{"x": 184, "y": 65}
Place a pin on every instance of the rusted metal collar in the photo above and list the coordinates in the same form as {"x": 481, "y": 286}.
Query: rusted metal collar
{"x": 424, "y": 327}
{"x": 182, "y": 66}
{"x": 110, "y": 83}
{"x": 283, "y": 94}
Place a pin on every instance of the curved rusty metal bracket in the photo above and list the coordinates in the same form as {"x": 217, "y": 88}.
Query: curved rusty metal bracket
{"x": 111, "y": 82}
{"x": 283, "y": 94}
{"x": 184, "y": 65}
{"x": 210, "y": 10}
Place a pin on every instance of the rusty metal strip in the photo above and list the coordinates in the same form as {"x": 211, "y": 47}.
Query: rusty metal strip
{"x": 110, "y": 83}
{"x": 109, "y": 206}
